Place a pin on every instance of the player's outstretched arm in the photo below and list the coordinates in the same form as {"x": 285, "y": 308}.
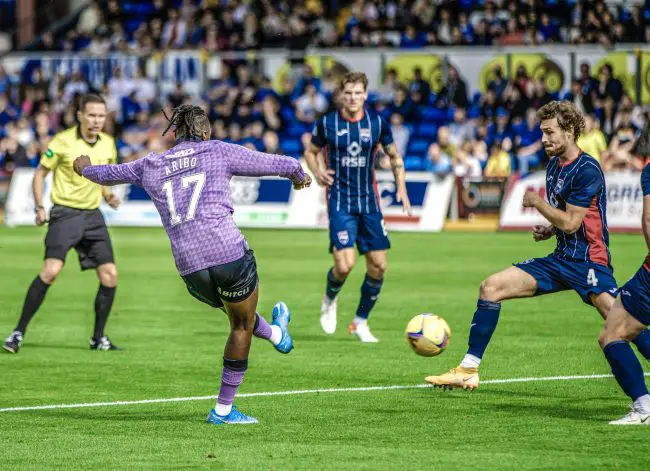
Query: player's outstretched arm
{"x": 568, "y": 221}
{"x": 113, "y": 174}
{"x": 397, "y": 164}
{"x": 249, "y": 163}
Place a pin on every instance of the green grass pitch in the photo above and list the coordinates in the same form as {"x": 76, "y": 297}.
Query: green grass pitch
{"x": 174, "y": 349}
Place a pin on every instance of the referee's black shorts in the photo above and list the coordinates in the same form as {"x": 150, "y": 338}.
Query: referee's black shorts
{"x": 82, "y": 229}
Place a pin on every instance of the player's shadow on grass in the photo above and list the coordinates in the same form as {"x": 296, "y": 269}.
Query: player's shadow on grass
{"x": 555, "y": 410}
{"x": 57, "y": 347}
{"x": 321, "y": 338}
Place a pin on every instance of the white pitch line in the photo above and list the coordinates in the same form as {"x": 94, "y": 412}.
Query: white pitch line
{"x": 295, "y": 392}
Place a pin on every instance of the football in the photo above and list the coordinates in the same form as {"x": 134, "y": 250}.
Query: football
{"x": 428, "y": 334}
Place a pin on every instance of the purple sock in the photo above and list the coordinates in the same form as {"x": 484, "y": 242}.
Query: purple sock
{"x": 262, "y": 328}
{"x": 231, "y": 377}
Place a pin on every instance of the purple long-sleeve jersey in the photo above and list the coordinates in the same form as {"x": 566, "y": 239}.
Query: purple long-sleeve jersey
{"x": 190, "y": 186}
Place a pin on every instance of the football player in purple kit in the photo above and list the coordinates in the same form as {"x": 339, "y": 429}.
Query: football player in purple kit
{"x": 629, "y": 317}
{"x": 190, "y": 187}
{"x": 576, "y": 211}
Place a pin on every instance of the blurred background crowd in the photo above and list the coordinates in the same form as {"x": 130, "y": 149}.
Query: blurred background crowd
{"x": 454, "y": 130}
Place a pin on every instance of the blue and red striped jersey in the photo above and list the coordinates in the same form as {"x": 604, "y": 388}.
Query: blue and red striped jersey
{"x": 350, "y": 148}
{"x": 645, "y": 187}
{"x": 580, "y": 183}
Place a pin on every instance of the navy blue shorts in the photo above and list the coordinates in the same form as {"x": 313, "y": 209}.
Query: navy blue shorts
{"x": 554, "y": 274}
{"x": 367, "y": 231}
{"x": 635, "y": 296}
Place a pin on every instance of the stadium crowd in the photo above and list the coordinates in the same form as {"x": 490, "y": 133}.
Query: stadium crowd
{"x": 142, "y": 26}
{"x": 453, "y": 130}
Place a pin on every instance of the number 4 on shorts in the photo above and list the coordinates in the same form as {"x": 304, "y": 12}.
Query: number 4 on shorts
{"x": 591, "y": 277}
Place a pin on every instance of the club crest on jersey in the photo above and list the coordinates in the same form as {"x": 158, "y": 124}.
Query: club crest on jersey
{"x": 343, "y": 237}
{"x": 559, "y": 185}
{"x": 365, "y": 135}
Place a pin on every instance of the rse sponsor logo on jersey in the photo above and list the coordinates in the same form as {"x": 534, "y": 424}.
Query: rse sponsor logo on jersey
{"x": 232, "y": 294}
{"x": 354, "y": 162}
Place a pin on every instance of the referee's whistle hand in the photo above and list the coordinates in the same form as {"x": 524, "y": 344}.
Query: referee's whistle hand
{"x": 41, "y": 216}
{"x": 80, "y": 163}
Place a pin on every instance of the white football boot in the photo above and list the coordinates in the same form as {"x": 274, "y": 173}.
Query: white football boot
{"x": 328, "y": 315}
{"x": 634, "y": 417}
{"x": 363, "y": 332}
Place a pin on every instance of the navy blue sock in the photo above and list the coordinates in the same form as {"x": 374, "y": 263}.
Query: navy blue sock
{"x": 483, "y": 325}
{"x": 333, "y": 285}
{"x": 626, "y": 368}
{"x": 642, "y": 342}
{"x": 369, "y": 293}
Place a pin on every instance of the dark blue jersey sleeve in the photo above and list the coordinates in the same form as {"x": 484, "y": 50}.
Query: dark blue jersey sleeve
{"x": 645, "y": 180}
{"x": 318, "y": 137}
{"x": 385, "y": 134}
{"x": 585, "y": 185}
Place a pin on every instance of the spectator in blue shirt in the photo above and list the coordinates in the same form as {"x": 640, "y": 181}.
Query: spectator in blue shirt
{"x": 412, "y": 39}
{"x": 529, "y": 150}
{"x": 499, "y": 84}
{"x": 402, "y": 105}
{"x": 501, "y": 131}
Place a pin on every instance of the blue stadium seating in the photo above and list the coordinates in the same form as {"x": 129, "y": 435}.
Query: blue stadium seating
{"x": 418, "y": 146}
{"x": 427, "y": 130}
{"x": 413, "y": 162}
{"x": 291, "y": 147}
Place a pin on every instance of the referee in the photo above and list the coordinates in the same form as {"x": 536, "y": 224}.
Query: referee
{"x": 75, "y": 220}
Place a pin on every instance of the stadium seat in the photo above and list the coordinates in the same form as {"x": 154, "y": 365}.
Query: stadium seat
{"x": 291, "y": 146}
{"x": 428, "y": 130}
{"x": 418, "y": 146}
{"x": 413, "y": 162}
{"x": 430, "y": 113}
{"x": 297, "y": 129}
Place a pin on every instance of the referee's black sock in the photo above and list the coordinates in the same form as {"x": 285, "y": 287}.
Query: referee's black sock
{"x": 103, "y": 304}
{"x": 33, "y": 300}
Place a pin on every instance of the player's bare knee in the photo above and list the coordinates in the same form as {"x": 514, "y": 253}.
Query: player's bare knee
{"x": 603, "y": 338}
{"x": 489, "y": 290}
{"x": 343, "y": 269}
{"x": 377, "y": 269}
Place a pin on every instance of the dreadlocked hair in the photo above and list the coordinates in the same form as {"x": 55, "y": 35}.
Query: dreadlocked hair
{"x": 189, "y": 120}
